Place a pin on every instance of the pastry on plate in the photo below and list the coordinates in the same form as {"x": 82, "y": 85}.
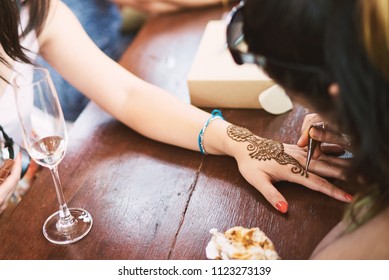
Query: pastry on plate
{"x": 240, "y": 243}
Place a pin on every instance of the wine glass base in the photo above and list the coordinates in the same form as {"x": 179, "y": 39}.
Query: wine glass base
{"x": 76, "y": 230}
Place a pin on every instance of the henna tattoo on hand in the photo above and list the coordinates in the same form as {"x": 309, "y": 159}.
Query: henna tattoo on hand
{"x": 265, "y": 149}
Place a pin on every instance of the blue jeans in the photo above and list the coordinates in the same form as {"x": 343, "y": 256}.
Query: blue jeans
{"x": 102, "y": 21}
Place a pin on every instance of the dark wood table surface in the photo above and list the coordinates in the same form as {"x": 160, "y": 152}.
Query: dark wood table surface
{"x": 154, "y": 201}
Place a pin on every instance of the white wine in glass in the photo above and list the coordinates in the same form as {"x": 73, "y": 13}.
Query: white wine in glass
{"x": 45, "y": 138}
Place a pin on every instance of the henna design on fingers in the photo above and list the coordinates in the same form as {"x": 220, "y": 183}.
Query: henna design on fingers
{"x": 265, "y": 149}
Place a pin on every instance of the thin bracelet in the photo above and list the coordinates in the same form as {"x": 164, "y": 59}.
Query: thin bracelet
{"x": 216, "y": 114}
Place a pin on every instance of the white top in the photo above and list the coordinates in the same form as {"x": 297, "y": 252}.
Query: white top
{"x": 8, "y": 114}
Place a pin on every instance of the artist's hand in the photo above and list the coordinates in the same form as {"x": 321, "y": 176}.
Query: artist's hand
{"x": 8, "y": 186}
{"x": 263, "y": 162}
{"x": 332, "y": 142}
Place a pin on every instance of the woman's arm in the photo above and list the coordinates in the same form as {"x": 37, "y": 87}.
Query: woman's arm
{"x": 159, "y": 115}
{"x": 146, "y": 108}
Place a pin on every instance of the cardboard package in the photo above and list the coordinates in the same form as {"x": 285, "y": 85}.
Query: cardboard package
{"x": 216, "y": 81}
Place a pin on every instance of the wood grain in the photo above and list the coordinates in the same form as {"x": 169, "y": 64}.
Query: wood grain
{"x": 154, "y": 201}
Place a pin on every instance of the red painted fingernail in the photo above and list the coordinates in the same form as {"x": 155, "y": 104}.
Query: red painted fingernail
{"x": 282, "y": 206}
{"x": 349, "y": 197}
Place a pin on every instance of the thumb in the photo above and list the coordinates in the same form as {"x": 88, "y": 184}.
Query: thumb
{"x": 303, "y": 140}
{"x": 271, "y": 194}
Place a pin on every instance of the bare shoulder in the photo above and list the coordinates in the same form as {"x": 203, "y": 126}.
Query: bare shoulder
{"x": 370, "y": 241}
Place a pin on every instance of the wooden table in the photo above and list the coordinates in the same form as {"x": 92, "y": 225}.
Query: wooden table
{"x": 154, "y": 201}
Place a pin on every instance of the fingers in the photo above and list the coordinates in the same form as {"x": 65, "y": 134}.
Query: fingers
{"x": 330, "y": 166}
{"x": 327, "y": 149}
{"x": 317, "y": 152}
{"x": 309, "y": 120}
{"x": 328, "y": 136}
{"x": 330, "y": 142}
{"x": 323, "y": 165}
{"x": 320, "y": 184}
{"x": 10, "y": 183}
{"x": 266, "y": 188}
{"x": 332, "y": 149}
{"x": 342, "y": 163}
{"x": 303, "y": 141}
{"x": 329, "y": 169}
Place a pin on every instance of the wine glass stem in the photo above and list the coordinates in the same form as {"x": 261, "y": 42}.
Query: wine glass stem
{"x": 64, "y": 212}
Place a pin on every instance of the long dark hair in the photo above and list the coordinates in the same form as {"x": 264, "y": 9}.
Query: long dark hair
{"x": 10, "y": 22}
{"x": 325, "y": 33}
{"x": 291, "y": 31}
{"x": 364, "y": 103}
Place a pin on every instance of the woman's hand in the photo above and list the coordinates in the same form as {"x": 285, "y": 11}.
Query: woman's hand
{"x": 332, "y": 142}
{"x": 262, "y": 162}
{"x": 10, "y": 183}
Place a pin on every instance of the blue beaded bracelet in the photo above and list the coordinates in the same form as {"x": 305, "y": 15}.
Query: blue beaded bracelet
{"x": 216, "y": 114}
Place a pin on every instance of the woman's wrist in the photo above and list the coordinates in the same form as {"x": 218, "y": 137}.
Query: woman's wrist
{"x": 215, "y": 137}
{"x": 215, "y": 115}
{"x": 218, "y": 142}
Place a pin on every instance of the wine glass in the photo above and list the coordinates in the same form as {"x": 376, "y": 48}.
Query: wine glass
{"x": 45, "y": 138}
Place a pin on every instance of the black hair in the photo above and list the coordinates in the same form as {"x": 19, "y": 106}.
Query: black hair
{"x": 10, "y": 23}
{"x": 326, "y": 33}
{"x": 291, "y": 31}
{"x": 38, "y": 14}
{"x": 363, "y": 102}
